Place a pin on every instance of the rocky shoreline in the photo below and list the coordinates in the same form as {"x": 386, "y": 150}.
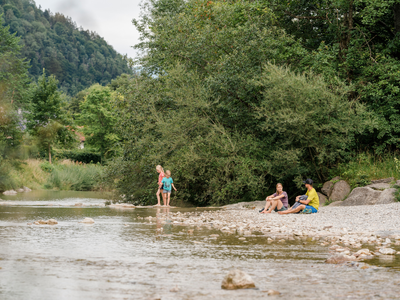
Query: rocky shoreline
{"x": 344, "y": 229}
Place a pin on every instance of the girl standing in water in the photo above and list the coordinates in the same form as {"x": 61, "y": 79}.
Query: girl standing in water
{"x": 161, "y": 175}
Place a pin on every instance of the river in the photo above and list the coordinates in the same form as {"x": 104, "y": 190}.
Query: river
{"x": 124, "y": 256}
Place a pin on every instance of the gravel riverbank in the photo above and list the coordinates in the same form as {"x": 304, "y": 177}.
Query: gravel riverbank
{"x": 350, "y": 226}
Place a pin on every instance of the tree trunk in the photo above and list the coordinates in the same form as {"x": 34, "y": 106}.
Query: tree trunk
{"x": 49, "y": 154}
{"x": 396, "y": 11}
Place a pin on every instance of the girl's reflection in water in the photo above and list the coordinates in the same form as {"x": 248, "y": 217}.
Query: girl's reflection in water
{"x": 163, "y": 219}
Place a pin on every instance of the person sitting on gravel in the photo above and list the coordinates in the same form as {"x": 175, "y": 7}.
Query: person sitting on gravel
{"x": 310, "y": 205}
{"x": 278, "y": 201}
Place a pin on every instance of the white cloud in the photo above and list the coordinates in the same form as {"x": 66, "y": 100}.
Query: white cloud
{"x": 110, "y": 19}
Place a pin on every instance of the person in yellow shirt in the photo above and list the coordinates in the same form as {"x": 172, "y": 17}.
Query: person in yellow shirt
{"x": 310, "y": 205}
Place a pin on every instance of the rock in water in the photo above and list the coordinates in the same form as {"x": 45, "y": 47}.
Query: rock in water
{"x": 26, "y": 189}
{"x": 340, "y": 259}
{"x": 273, "y": 293}
{"x": 88, "y": 221}
{"x": 387, "y": 251}
{"x": 10, "y": 192}
{"x": 340, "y": 190}
{"x": 20, "y": 190}
{"x": 52, "y": 222}
{"x": 237, "y": 279}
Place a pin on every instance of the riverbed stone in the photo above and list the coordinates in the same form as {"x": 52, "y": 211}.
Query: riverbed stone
{"x": 387, "y": 251}
{"x": 87, "y": 221}
{"x": 273, "y": 293}
{"x": 237, "y": 279}
{"x": 20, "y": 190}
{"x": 339, "y": 191}
{"x": 340, "y": 259}
{"x": 26, "y": 189}
{"x": 10, "y": 192}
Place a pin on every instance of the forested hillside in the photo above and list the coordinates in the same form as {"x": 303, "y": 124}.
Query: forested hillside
{"x": 77, "y": 58}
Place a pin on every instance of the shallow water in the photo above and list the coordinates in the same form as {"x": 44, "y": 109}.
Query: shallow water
{"x": 122, "y": 256}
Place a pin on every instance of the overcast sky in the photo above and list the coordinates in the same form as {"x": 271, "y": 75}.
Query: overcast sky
{"x": 112, "y": 20}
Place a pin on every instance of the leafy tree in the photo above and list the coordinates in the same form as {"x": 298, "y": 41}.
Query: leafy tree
{"x": 13, "y": 87}
{"x": 99, "y": 120}
{"x": 173, "y": 120}
{"x": 47, "y": 119}
{"x": 357, "y": 41}
{"x": 13, "y": 69}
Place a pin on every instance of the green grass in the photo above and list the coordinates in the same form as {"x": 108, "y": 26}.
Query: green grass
{"x": 75, "y": 177}
{"x": 366, "y": 167}
{"x": 39, "y": 174}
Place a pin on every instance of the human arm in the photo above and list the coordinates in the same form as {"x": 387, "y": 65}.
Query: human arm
{"x": 278, "y": 197}
{"x": 174, "y": 187}
{"x": 305, "y": 202}
{"x": 160, "y": 185}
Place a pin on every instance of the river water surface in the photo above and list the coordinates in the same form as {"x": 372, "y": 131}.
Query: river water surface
{"x": 124, "y": 256}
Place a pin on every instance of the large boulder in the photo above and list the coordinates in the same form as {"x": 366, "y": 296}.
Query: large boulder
{"x": 339, "y": 191}
{"x": 237, "y": 279}
{"x": 322, "y": 199}
{"x": 384, "y": 180}
{"x": 327, "y": 188}
{"x": 336, "y": 203}
{"x": 368, "y": 196}
{"x": 379, "y": 186}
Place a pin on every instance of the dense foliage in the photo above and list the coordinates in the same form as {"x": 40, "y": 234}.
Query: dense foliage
{"x": 13, "y": 85}
{"x": 230, "y": 105}
{"x": 77, "y": 58}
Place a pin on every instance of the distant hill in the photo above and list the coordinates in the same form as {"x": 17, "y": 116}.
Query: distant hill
{"x": 77, "y": 58}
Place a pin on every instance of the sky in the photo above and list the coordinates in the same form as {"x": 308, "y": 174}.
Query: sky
{"x": 112, "y": 20}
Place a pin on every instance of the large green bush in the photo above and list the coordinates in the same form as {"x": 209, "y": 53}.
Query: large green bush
{"x": 301, "y": 128}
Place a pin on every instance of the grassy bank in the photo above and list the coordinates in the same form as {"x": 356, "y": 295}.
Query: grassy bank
{"x": 365, "y": 167}
{"x": 65, "y": 175}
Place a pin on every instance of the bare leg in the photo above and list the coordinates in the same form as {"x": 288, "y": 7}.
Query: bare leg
{"x": 158, "y": 197}
{"x": 275, "y": 203}
{"x": 267, "y": 204}
{"x": 164, "y": 197}
{"x": 169, "y": 198}
{"x": 292, "y": 211}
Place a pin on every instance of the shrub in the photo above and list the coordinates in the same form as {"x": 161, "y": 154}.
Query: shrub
{"x": 84, "y": 156}
{"x": 364, "y": 167}
{"x": 47, "y": 167}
